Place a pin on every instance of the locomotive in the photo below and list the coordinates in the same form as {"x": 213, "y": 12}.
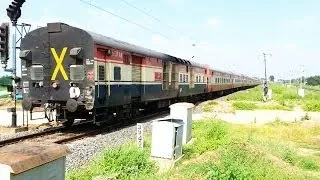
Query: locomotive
{"x": 83, "y": 75}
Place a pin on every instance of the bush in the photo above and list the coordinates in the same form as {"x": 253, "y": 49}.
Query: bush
{"x": 290, "y": 156}
{"x": 312, "y": 105}
{"x": 308, "y": 163}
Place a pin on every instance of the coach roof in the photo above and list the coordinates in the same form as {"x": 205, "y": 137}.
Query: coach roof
{"x": 107, "y": 41}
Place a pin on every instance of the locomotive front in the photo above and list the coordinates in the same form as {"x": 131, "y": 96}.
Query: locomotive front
{"x": 58, "y": 71}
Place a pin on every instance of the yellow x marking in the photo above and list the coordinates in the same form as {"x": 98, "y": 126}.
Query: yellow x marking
{"x": 59, "y": 66}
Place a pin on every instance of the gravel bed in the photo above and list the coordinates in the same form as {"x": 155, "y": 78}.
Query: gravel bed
{"x": 86, "y": 149}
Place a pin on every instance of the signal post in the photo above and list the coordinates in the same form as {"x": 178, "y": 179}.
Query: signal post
{"x": 14, "y": 13}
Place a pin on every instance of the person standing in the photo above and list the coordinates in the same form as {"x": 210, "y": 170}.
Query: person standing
{"x": 265, "y": 91}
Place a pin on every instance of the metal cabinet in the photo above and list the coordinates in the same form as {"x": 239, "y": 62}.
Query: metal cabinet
{"x": 183, "y": 111}
{"x": 167, "y": 138}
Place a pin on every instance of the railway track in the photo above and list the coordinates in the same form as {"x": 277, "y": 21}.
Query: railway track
{"x": 62, "y": 135}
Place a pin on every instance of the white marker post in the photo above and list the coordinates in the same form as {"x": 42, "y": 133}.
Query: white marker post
{"x": 140, "y": 135}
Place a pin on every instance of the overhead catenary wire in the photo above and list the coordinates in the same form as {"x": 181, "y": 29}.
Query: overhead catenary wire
{"x": 124, "y": 19}
{"x": 155, "y": 18}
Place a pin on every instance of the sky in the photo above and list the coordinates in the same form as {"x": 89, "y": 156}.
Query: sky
{"x": 228, "y": 35}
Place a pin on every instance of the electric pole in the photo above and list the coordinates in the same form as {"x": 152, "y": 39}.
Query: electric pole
{"x": 302, "y": 74}
{"x": 265, "y": 66}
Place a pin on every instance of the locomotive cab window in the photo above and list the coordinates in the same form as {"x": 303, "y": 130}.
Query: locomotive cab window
{"x": 36, "y": 72}
{"x": 77, "y": 72}
{"x": 117, "y": 73}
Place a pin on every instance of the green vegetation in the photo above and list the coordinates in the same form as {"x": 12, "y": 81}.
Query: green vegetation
{"x": 313, "y": 81}
{"x": 221, "y": 150}
{"x": 244, "y": 105}
{"x": 5, "y": 80}
{"x": 249, "y": 152}
{"x": 127, "y": 162}
{"x": 283, "y": 98}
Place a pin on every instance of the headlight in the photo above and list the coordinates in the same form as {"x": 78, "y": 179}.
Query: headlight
{"x": 74, "y": 92}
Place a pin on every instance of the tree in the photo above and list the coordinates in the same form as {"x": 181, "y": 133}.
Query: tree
{"x": 313, "y": 80}
{"x": 5, "y": 80}
{"x": 271, "y": 78}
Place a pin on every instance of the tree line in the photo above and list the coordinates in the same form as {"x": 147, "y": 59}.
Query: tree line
{"x": 313, "y": 80}
{"x": 5, "y": 80}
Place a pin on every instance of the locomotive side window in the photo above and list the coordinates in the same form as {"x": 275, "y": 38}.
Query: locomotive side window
{"x": 117, "y": 73}
{"x": 77, "y": 72}
{"x": 101, "y": 73}
{"x": 36, "y": 72}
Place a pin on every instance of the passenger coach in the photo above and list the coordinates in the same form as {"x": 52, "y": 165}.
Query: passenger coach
{"x": 84, "y": 75}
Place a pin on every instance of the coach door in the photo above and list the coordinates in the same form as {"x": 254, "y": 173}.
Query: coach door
{"x": 166, "y": 76}
{"x": 136, "y": 77}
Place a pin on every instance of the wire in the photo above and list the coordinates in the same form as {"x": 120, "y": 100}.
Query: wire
{"x": 127, "y": 20}
{"x": 155, "y": 18}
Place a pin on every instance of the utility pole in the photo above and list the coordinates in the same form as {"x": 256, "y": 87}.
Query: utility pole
{"x": 265, "y": 66}
{"x": 301, "y": 78}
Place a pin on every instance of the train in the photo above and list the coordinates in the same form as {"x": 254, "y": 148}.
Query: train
{"x": 80, "y": 74}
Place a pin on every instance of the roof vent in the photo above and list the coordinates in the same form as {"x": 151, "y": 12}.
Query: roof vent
{"x": 54, "y": 27}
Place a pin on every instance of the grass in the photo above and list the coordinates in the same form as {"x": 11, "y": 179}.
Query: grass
{"x": 222, "y": 151}
{"x": 124, "y": 162}
{"x": 283, "y": 98}
{"x": 250, "y": 152}
{"x": 240, "y": 105}
{"x": 209, "y": 106}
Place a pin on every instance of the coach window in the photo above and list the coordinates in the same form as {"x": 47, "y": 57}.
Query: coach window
{"x": 36, "y": 72}
{"x": 184, "y": 78}
{"x": 101, "y": 73}
{"x": 117, "y": 73}
{"x": 77, "y": 72}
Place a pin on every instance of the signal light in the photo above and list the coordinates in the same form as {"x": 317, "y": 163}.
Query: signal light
{"x": 14, "y": 11}
{"x": 4, "y": 43}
